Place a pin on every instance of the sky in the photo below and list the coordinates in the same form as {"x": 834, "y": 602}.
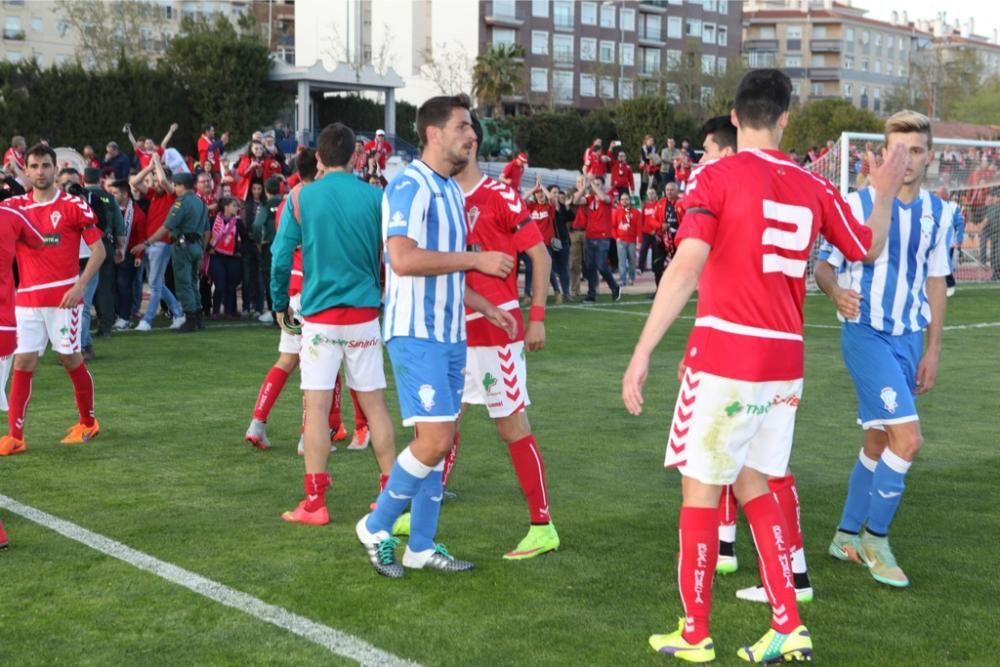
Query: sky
{"x": 986, "y": 14}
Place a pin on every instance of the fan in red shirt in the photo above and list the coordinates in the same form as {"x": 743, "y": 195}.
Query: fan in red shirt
{"x": 744, "y": 244}
{"x": 255, "y": 166}
{"x": 599, "y": 228}
{"x": 496, "y": 373}
{"x": 622, "y": 177}
{"x": 578, "y": 235}
{"x": 626, "y": 222}
{"x": 209, "y": 151}
{"x": 682, "y": 170}
{"x": 128, "y": 272}
{"x": 543, "y": 213}
{"x": 145, "y": 147}
{"x": 13, "y": 158}
{"x": 49, "y": 302}
{"x": 381, "y": 147}
{"x": 595, "y": 161}
{"x": 514, "y": 170}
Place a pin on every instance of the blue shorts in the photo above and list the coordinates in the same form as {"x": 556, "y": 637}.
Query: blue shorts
{"x": 883, "y": 369}
{"x": 429, "y": 378}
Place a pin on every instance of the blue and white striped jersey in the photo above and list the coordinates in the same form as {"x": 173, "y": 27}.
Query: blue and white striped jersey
{"x": 893, "y": 298}
{"x": 430, "y": 209}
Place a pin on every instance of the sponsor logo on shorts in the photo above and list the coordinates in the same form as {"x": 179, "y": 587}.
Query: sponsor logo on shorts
{"x": 489, "y": 381}
{"x": 351, "y": 344}
{"x": 733, "y": 409}
{"x": 426, "y": 394}
{"x": 888, "y": 396}
{"x": 790, "y": 400}
{"x": 736, "y": 408}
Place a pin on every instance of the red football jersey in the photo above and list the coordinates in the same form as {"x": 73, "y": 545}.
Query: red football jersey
{"x": 760, "y": 213}
{"x": 544, "y": 216}
{"x": 47, "y": 272}
{"x": 498, "y": 220}
{"x": 15, "y": 229}
{"x": 295, "y": 279}
{"x": 625, "y": 223}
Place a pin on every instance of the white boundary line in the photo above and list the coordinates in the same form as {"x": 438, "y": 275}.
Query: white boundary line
{"x": 952, "y": 327}
{"x": 335, "y": 641}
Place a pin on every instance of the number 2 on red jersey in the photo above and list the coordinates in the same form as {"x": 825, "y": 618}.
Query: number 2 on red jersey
{"x": 797, "y": 241}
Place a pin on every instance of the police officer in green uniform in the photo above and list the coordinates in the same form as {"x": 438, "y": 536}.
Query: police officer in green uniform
{"x": 187, "y": 225}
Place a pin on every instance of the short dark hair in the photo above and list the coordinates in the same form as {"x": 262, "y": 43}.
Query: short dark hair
{"x": 121, "y": 184}
{"x": 761, "y": 97}
{"x": 305, "y": 163}
{"x": 207, "y": 126}
{"x": 272, "y": 185}
{"x": 40, "y": 149}
{"x": 335, "y": 145}
{"x": 722, "y": 130}
{"x": 477, "y": 127}
{"x": 436, "y": 111}
{"x": 68, "y": 170}
{"x": 226, "y": 201}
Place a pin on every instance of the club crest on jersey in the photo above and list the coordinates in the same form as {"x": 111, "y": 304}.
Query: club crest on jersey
{"x": 926, "y": 224}
{"x": 888, "y": 396}
{"x": 472, "y": 215}
{"x": 426, "y": 394}
{"x": 54, "y": 218}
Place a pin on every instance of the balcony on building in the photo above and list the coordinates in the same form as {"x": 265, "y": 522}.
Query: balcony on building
{"x": 14, "y": 35}
{"x": 651, "y": 38}
{"x": 654, "y": 6}
{"x": 760, "y": 45}
{"x": 503, "y": 14}
{"x": 824, "y": 74}
{"x": 826, "y": 46}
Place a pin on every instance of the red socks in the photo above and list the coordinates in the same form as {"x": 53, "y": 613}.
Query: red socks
{"x": 449, "y": 459}
{"x": 270, "y": 389}
{"x": 699, "y": 552}
{"x": 316, "y": 485}
{"x": 772, "y": 538}
{"x": 360, "y": 420}
{"x": 83, "y": 389}
{"x": 334, "y": 418}
{"x": 20, "y": 396}
{"x": 530, "y": 469}
{"x": 783, "y": 490}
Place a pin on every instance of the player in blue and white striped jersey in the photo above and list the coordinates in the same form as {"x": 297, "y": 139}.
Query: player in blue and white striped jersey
{"x": 424, "y": 228}
{"x": 885, "y": 307}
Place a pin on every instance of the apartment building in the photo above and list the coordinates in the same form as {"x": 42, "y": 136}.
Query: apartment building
{"x": 831, "y": 49}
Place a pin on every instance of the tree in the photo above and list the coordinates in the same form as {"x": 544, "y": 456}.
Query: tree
{"x": 814, "y": 123}
{"x": 110, "y": 30}
{"x": 983, "y": 106}
{"x": 651, "y": 115}
{"x": 552, "y": 139}
{"x": 498, "y": 73}
{"x": 942, "y": 76}
{"x": 225, "y": 75}
{"x": 448, "y": 67}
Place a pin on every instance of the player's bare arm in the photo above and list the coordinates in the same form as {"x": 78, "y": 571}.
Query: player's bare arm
{"x": 496, "y": 316}
{"x": 677, "y": 285}
{"x": 74, "y": 295}
{"x": 887, "y": 178}
{"x": 534, "y": 331}
{"x": 410, "y": 260}
{"x": 848, "y": 301}
{"x": 927, "y": 368}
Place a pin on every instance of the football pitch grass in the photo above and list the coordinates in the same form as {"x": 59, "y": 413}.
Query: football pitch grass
{"x": 170, "y": 476}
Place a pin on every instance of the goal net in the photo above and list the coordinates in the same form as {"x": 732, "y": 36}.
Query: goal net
{"x": 963, "y": 171}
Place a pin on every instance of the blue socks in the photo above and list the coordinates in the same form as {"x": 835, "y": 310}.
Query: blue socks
{"x": 888, "y": 483}
{"x": 426, "y": 510}
{"x": 858, "y": 494}
{"x": 407, "y": 476}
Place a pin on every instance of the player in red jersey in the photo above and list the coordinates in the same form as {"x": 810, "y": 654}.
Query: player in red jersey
{"x": 744, "y": 244}
{"x": 496, "y": 374}
{"x": 49, "y": 303}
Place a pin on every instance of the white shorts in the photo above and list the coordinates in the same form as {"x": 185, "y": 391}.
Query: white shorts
{"x": 37, "y": 327}
{"x": 721, "y": 425}
{"x": 290, "y": 343}
{"x": 358, "y": 346}
{"x": 497, "y": 377}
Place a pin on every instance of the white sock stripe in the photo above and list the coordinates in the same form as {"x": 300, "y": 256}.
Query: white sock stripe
{"x": 680, "y": 568}
{"x": 895, "y": 462}
{"x": 763, "y": 571}
{"x": 541, "y": 476}
{"x": 867, "y": 462}
{"x": 408, "y": 462}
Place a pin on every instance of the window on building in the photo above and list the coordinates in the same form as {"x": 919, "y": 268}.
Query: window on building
{"x": 723, "y": 6}
{"x": 722, "y": 63}
{"x": 674, "y": 58}
{"x": 627, "y": 54}
{"x": 819, "y": 32}
{"x": 628, "y": 19}
{"x": 849, "y": 34}
{"x": 760, "y": 58}
{"x": 653, "y": 28}
{"x": 540, "y": 8}
{"x": 607, "y": 15}
{"x": 504, "y": 8}
{"x": 588, "y": 85}
{"x": 901, "y": 71}
{"x": 606, "y": 87}
{"x": 627, "y": 88}
{"x": 588, "y": 49}
{"x": 606, "y": 53}
{"x": 540, "y": 42}
{"x": 562, "y": 51}
{"x": 819, "y": 60}
{"x": 766, "y": 32}
{"x": 37, "y": 25}
{"x": 848, "y": 62}
{"x": 673, "y": 93}
{"x": 878, "y": 66}
{"x": 888, "y": 43}
{"x": 706, "y": 95}
{"x": 539, "y": 80}
{"x": 710, "y": 5}
{"x": 503, "y": 36}
{"x": 62, "y": 58}
{"x": 865, "y": 36}
{"x": 864, "y": 64}
{"x": 13, "y": 56}
{"x": 723, "y": 35}
{"x": 562, "y": 13}
{"x": 793, "y": 61}
{"x": 849, "y": 90}
{"x": 692, "y": 28}
{"x": 708, "y": 64}
{"x": 12, "y": 30}
{"x": 793, "y": 32}
{"x": 878, "y": 39}
{"x": 675, "y": 27}
{"x": 588, "y": 13}
{"x": 796, "y": 88}
{"x": 708, "y": 33}
{"x": 562, "y": 86}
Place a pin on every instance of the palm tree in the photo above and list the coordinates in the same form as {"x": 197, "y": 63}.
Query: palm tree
{"x": 498, "y": 73}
